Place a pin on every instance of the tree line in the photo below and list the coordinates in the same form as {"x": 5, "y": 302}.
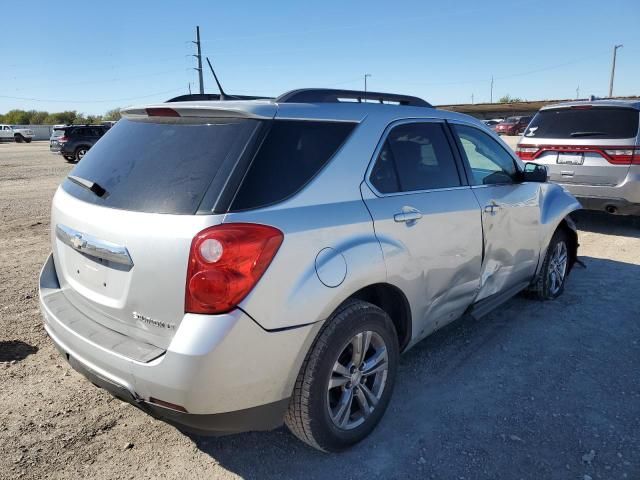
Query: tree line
{"x": 68, "y": 117}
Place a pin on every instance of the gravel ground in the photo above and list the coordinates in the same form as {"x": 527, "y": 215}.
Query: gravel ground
{"x": 534, "y": 390}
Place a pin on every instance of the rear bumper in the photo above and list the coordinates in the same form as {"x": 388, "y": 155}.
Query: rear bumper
{"x": 229, "y": 374}
{"x": 617, "y": 206}
{"x": 623, "y": 198}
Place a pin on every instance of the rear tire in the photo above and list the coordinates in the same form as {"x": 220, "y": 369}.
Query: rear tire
{"x": 80, "y": 152}
{"x": 341, "y": 394}
{"x": 552, "y": 277}
{"x": 27, "y": 140}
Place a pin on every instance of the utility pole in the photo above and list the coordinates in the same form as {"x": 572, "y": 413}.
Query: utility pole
{"x": 578, "y": 92}
{"x": 365, "y": 85}
{"x": 613, "y": 69}
{"x": 199, "y": 57}
{"x": 472, "y": 99}
{"x": 491, "y": 96}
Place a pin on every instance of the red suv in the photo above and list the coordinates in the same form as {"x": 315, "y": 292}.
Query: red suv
{"x": 513, "y": 126}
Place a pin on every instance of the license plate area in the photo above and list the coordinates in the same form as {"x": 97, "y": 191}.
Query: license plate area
{"x": 570, "y": 159}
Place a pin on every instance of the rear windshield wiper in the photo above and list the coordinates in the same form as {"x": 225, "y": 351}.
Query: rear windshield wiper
{"x": 88, "y": 184}
{"x": 587, "y": 134}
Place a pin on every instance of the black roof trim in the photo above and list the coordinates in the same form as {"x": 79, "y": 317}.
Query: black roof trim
{"x": 213, "y": 96}
{"x": 327, "y": 95}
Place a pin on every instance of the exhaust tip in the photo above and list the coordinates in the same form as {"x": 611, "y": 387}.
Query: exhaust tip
{"x": 611, "y": 209}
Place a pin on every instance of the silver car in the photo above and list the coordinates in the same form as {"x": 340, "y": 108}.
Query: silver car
{"x": 591, "y": 148}
{"x": 230, "y": 265}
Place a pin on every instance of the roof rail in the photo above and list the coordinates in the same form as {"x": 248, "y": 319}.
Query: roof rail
{"x": 327, "y": 95}
{"x": 213, "y": 96}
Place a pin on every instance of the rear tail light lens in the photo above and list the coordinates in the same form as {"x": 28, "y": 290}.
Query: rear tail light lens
{"x": 526, "y": 153}
{"x": 63, "y": 139}
{"x": 623, "y": 156}
{"x": 225, "y": 263}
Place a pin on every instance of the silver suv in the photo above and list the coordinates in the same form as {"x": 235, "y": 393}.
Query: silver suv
{"x": 592, "y": 149}
{"x": 230, "y": 265}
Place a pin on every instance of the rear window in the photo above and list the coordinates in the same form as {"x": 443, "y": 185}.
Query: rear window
{"x": 292, "y": 153}
{"x": 595, "y": 122}
{"x": 159, "y": 167}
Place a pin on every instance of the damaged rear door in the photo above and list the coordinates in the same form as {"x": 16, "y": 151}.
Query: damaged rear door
{"x": 427, "y": 221}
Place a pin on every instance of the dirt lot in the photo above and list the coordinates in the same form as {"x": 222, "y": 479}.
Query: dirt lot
{"x": 534, "y": 390}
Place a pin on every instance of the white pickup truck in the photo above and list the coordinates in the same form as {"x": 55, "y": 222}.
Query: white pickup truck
{"x": 11, "y": 134}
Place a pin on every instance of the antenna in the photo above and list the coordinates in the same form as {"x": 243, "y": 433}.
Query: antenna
{"x": 223, "y": 96}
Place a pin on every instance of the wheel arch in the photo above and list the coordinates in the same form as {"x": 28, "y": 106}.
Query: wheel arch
{"x": 394, "y": 302}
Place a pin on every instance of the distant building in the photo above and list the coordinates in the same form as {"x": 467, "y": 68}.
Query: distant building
{"x": 502, "y": 110}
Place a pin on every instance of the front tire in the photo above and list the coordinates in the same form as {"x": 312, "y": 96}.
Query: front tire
{"x": 552, "y": 277}
{"x": 19, "y": 138}
{"x": 346, "y": 381}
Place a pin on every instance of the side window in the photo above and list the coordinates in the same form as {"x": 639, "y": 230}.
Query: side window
{"x": 415, "y": 156}
{"x": 490, "y": 163}
{"x": 383, "y": 175}
{"x": 292, "y": 153}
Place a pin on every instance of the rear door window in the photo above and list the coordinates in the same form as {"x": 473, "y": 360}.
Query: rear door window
{"x": 160, "y": 167}
{"x": 415, "y": 156}
{"x": 292, "y": 153}
{"x": 585, "y": 122}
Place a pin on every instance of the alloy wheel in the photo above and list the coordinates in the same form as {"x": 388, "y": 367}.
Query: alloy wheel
{"x": 358, "y": 380}
{"x": 557, "y": 267}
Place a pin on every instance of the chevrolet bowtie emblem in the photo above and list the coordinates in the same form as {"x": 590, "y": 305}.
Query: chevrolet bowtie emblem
{"x": 77, "y": 242}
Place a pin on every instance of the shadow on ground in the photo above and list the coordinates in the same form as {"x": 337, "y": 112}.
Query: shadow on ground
{"x": 601, "y": 222}
{"x": 15, "y": 350}
{"x": 525, "y": 392}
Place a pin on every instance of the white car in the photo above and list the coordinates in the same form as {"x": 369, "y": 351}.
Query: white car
{"x": 19, "y": 135}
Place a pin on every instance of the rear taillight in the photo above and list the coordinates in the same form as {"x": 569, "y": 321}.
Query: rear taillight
{"x": 63, "y": 139}
{"x": 526, "y": 153}
{"x": 623, "y": 156}
{"x": 225, "y": 263}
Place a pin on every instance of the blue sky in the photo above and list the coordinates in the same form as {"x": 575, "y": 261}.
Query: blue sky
{"x": 93, "y": 56}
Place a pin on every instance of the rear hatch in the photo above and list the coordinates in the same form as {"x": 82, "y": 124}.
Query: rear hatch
{"x": 123, "y": 220}
{"x": 54, "y": 144}
{"x": 583, "y": 144}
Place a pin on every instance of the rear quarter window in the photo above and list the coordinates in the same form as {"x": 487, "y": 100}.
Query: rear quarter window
{"x": 585, "y": 123}
{"x": 292, "y": 153}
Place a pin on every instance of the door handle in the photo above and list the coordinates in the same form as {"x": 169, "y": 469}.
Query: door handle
{"x": 408, "y": 214}
{"x": 491, "y": 208}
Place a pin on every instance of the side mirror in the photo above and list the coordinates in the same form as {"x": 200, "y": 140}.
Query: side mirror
{"x": 534, "y": 172}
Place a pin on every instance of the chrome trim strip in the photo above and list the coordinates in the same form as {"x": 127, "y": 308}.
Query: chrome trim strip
{"x": 92, "y": 246}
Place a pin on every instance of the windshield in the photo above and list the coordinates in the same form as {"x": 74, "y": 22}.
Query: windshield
{"x": 159, "y": 167}
{"x": 589, "y": 122}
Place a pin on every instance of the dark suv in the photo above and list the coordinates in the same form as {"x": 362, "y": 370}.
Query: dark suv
{"x": 76, "y": 140}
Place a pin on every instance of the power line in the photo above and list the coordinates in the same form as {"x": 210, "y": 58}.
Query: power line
{"x": 127, "y": 78}
{"x": 92, "y": 101}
